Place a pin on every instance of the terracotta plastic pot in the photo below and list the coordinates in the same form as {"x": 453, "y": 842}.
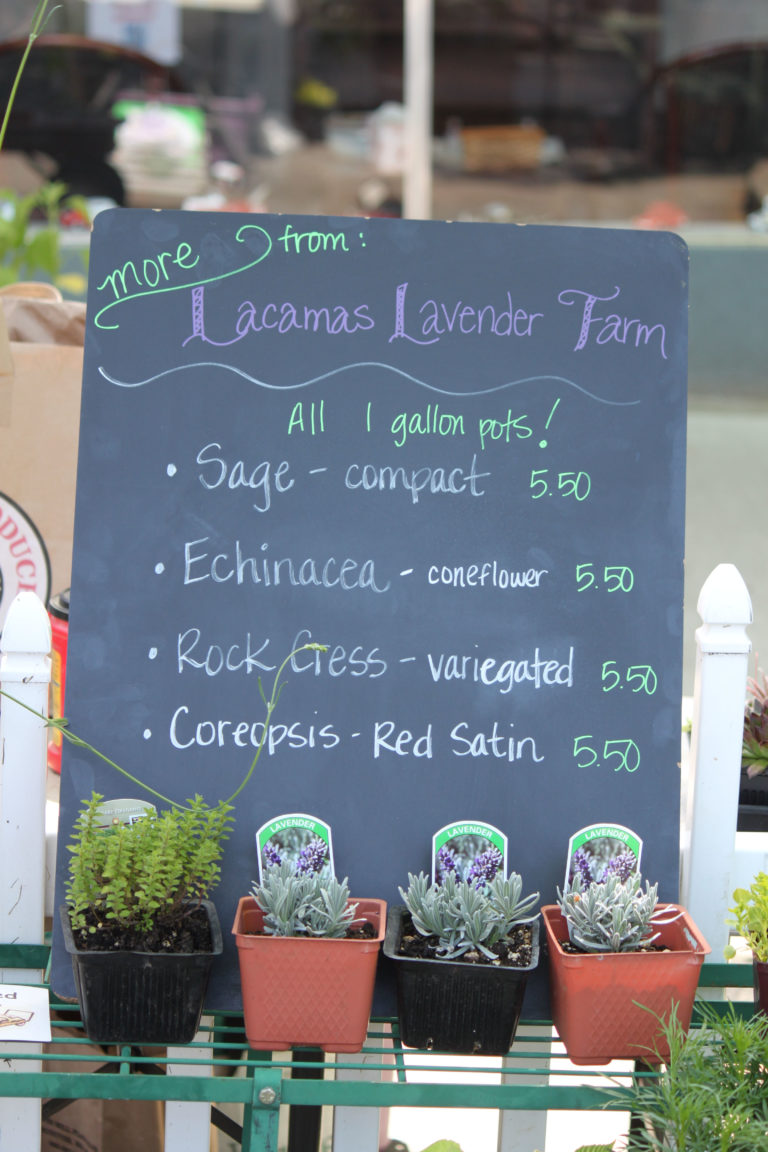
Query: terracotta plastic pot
{"x": 453, "y": 1006}
{"x": 300, "y": 990}
{"x": 606, "y": 1005}
{"x": 142, "y": 997}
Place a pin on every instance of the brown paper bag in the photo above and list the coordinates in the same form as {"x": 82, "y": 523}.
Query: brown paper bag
{"x": 41, "y": 366}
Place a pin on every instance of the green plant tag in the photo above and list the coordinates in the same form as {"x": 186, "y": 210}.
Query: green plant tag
{"x": 469, "y": 848}
{"x": 598, "y": 850}
{"x": 304, "y": 841}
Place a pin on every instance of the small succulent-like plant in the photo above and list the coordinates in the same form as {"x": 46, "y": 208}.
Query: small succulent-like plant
{"x": 613, "y": 916}
{"x": 464, "y": 916}
{"x": 754, "y": 748}
{"x": 298, "y": 903}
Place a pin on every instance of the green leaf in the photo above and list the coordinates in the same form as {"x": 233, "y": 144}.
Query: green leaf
{"x": 443, "y": 1146}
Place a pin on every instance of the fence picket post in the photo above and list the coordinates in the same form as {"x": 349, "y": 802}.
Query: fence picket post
{"x": 25, "y": 672}
{"x": 722, "y": 646}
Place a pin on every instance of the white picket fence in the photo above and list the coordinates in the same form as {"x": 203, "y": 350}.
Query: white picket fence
{"x": 714, "y": 857}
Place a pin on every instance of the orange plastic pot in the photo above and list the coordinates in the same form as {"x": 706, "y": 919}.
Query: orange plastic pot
{"x": 300, "y": 990}
{"x": 607, "y": 1005}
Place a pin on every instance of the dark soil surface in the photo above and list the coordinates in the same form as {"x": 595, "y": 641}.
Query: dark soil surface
{"x": 188, "y": 931}
{"x": 574, "y": 950}
{"x": 365, "y": 931}
{"x": 514, "y": 952}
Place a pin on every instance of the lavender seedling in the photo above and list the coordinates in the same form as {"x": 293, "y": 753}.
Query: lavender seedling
{"x": 615, "y": 916}
{"x": 294, "y": 904}
{"x": 464, "y": 916}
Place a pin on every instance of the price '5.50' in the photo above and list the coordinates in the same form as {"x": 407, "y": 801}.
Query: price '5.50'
{"x": 618, "y": 754}
{"x": 576, "y": 484}
{"x": 641, "y": 677}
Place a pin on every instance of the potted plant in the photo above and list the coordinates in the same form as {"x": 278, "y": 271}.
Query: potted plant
{"x": 138, "y": 920}
{"x": 307, "y": 956}
{"x": 750, "y": 919}
{"x": 135, "y": 877}
{"x": 753, "y": 787}
{"x": 619, "y": 961}
{"x": 710, "y": 1094}
{"x": 462, "y": 949}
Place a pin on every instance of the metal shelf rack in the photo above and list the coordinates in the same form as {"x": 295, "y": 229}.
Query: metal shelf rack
{"x": 261, "y": 1082}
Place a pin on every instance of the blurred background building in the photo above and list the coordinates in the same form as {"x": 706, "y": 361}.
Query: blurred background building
{"x": 587, "y": 89}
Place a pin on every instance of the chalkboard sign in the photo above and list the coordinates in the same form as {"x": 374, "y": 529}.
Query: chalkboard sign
{"x": 452, "y": 452}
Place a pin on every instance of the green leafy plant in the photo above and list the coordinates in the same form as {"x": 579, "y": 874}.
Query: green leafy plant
{"x": 614, "y": 916}
{"x": 750, "y": 917}
{"x": 467, "y": 917}
{"x": 296, "y": 904}
{"x": 712, "y": 1095}
{"x": 134, "y": 876}
{"x": 29, "y": 231}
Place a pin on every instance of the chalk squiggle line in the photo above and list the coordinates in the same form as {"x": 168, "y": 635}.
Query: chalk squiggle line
{"x": 363, "y": 364}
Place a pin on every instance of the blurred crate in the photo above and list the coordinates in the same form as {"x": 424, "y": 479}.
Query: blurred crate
{"x": 502, "y": 148}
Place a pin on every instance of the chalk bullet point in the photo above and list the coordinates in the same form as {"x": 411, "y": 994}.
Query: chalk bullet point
{"x": 160, "y": 568}
{"x": 147, "y": 733}
{"x": 152, "y": 653}
{"x": 171, "y": 469}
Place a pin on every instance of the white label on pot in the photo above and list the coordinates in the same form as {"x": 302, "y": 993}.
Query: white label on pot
{"x": 25, "y": 1013}
{"x": 114, "y": 812}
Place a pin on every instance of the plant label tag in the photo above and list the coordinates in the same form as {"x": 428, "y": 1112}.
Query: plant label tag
{"x": 598, "y": 850}
{"x": 472, "y": 849}
{"x": 25, "y": 1013}
{"x": 304, "y": 841}
{"x": 114, "y": 812}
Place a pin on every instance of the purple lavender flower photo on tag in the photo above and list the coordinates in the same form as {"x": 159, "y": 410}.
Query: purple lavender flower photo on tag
{"x": 300, "y": 840}
{"x": 470, "y": 849}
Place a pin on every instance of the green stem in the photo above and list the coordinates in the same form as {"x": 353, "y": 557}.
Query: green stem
{"x": 61, "y": 725}
{"x": 271, "y": 704}
{"x": 38, "y": 21}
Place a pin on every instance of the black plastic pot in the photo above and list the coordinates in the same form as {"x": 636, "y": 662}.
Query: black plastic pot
{"x": 142, "y": 997}
{"x": 753, "y": 803}
{"x": 760, "y": 985}
{"x": 455, "y": 1006}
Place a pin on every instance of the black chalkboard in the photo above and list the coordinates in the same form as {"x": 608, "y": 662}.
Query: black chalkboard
{"x": 454, "y": 453}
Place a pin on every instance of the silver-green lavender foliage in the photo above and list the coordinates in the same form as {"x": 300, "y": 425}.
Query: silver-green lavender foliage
{"x": 614, "y": 916}
{"x": 303, "y": 905}
{"x": 463, "y": 916}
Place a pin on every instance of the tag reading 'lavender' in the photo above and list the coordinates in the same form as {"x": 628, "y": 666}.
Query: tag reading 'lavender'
{"x": 303, "y": 840}
{"x": 599, "y": 850}
{"x": 472, "y": 849}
